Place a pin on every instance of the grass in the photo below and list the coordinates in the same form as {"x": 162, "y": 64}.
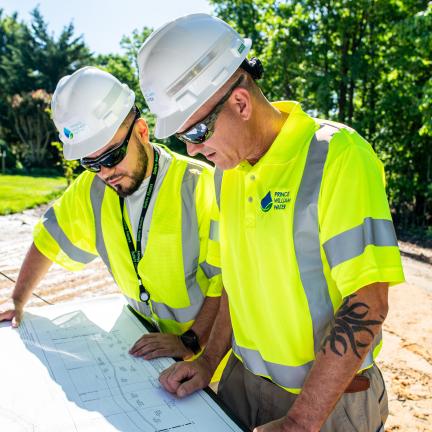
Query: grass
{"x": 19, "y": 192}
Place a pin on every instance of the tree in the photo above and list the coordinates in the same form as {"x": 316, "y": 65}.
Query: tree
{"x": 51, "y": 58}
{"x": 32, "y": 124}
{"x": 32, "y": 62}
{"x": 366, "y": 63}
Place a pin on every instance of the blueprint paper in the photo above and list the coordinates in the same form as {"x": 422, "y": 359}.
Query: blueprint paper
{"x": 67, "y": 368}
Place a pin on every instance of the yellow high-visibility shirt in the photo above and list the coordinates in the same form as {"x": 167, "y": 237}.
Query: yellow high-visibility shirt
{"x": 303, "y": 228}
{"x": 180, "y": 263}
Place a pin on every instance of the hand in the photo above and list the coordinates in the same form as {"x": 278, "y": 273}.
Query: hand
{"x": 14, "y": 315}
{"x": 184, "y": 378}
{"x": 155, "y": 345}
{"x": 283, "y": 424}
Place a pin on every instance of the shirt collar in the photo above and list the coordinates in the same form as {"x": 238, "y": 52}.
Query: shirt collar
{"x": 294, "y": 134}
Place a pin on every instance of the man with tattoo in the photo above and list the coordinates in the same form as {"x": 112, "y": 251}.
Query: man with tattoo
{"x": 308, "y": 248}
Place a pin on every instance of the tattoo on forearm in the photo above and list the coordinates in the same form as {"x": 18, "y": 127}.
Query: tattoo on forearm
{"x": 350, "y": 320}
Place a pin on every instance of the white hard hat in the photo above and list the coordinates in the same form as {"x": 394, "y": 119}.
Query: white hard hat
{"x": 88, "y": 107}
{"x": 183, "y": 63}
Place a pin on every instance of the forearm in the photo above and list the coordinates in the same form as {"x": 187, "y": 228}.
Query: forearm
{"x": 344, "y": 348}
{"x": 205, "y": 319}
{"x": 33, "y": 269}
{"x": 220, "y": 337}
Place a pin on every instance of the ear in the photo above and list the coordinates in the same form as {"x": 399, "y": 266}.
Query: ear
{"x": 241, "y": 103}
{"x": 141, "y": 128}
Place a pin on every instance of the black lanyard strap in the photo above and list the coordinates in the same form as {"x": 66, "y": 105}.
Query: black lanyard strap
{"x": 136, "y": 254}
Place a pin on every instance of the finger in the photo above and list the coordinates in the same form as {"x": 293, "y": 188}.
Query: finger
{"x": 190, "y": 386}
{"x": 7, "y": 315}
{"x": 158, "y": 353}
{"x": 162, "y": 339}
{"x": 146, "y": 349}
{"x": 165, "y": 380}
{"x": 142, "y": 341}
{"x": 16, "y": 320}
{"x": 166, "y": 371}
{"x": 172, "y": 377}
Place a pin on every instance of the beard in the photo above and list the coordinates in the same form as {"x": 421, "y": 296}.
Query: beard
{"x": 136, "y": 177}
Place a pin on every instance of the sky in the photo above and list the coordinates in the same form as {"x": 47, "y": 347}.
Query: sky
{"x": 104, "y": 22}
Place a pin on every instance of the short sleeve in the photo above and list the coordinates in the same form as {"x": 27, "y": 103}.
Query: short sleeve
{"x": 65, "y": 233}
{"x": 356, "y": 229}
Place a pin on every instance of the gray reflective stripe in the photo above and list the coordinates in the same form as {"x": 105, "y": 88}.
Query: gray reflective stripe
{"x": 139, "y": 306}
{"x": 190, "y": 235}
{"x": 307, "y": 249}
{"x": 97, "y": 191}
{"x": 73, "y": 252}
{"x": 352, "y": 243}
{"x": 190, "y": 252}
{"x": 181, "y": 315}
{"x": 214, "y": 230}
{"x": 218, "y": 174}
{"x": 287, "y": 376}
{"x": 209, "y": 270}
{"x": 190, "y": 248}
{"x": 306, "y": 236}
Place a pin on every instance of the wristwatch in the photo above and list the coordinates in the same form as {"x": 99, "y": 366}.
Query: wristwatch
{"x": 190, "y": 340}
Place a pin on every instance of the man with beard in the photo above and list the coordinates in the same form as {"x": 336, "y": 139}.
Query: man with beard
{"x": 143, "y": 209}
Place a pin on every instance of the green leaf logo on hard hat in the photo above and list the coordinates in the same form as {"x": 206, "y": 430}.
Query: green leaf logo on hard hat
{"x": 68, "y": 133}
{"x": 241, "y": 48}
{"x": 266, "y": 202}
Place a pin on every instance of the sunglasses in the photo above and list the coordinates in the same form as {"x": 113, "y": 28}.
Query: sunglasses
{"x": 201, "y": 131}
{"x": 113, "y": 156}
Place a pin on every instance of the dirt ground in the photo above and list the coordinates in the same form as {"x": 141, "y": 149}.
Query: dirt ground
{"x": 406, "y": 359}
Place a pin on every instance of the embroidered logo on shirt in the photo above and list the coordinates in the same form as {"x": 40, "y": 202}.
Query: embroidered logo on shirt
{"x": 281, "y": 199}
{"x": 278, "y": 201}
{"x": 266, "y": 202}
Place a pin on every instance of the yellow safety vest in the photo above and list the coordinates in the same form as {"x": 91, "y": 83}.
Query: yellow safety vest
{"x": 306, "y": 226}
{"x": 180, "y": 264}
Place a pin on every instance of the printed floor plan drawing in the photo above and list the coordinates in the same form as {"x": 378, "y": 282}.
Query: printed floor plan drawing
{"x": 69, "y": 370}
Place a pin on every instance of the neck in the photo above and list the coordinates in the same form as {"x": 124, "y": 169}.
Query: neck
{"x": 267, "y": 125}
{"x": 150, "y": 159}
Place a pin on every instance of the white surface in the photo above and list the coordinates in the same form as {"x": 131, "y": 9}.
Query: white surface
{"x": 67, "y": 369}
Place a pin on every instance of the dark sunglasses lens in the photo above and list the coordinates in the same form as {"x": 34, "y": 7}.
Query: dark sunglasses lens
{"x": 115, "y": 157}
{"x": 109, "y": 161}
{"x": 197, "y": 134}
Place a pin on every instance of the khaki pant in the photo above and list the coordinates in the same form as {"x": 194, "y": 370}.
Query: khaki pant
{"x": 256, "y": 401}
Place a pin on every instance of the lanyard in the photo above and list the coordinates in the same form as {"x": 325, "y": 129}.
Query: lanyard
{"x": 136, "y": 254}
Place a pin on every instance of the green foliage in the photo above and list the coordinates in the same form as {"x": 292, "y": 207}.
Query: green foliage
{"x": 51, "y": 58}
{"x": 69, "y": 167}
{"x": 9, "y": 158}
{"x": 367, "y": 63}
{"x": 18, "y": 193}
{"x": 31, "y": 63}
{"x": 31, "y": 122}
